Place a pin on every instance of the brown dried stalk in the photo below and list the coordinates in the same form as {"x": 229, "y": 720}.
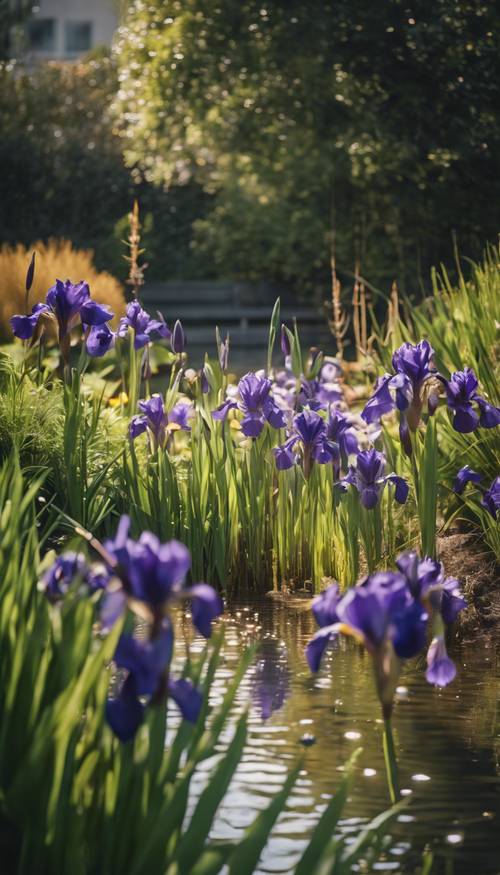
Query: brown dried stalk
{"x": 356, "y": 311}
{"x": 340, "y": 322}
{"x": 136, "y": 271}
{"x": 392, "y": 311}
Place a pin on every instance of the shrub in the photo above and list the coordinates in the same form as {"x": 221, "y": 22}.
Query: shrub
{"x": 57, "y": 258}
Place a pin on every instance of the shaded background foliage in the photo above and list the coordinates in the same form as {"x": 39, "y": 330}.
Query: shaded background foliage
{"x": 250, "y": 131}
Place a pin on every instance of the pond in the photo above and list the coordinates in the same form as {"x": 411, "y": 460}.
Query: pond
{"x": 448, "y": 745}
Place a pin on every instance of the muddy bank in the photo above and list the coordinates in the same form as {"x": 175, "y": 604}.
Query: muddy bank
{"x": 465, "y": 556}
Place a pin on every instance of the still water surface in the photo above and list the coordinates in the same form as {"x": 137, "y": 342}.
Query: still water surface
{"x": 448, "y": 745}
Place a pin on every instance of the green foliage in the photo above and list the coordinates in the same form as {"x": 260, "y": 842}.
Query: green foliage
{"x": 305, "y": 119}
{"x": 72, "y": 798}
{"x": 64, "y": 176}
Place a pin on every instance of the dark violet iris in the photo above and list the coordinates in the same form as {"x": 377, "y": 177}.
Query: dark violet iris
{"x": 382, "y": 614}
{"x": 148, "y": 577}
{"x": 153, "y": 574}
{"x": 68, "y": 568}
{"x": 414, "y": 381}
{"x": 470, "y": 410}
{"x": 68, "y": 303}
{"x": 99, "y": 340}
{"x": 413, "y": 367}
{"x": 491, "y": 498}
{"x": 465, "y": 475}
{"x": 24, "y": 327}
{"x": 427, "y": 582}
{"x": 157, "y": 422}
{"x": 340, "y": 431}
{"x": 144, "y": 327}
{"x": 369, "y": 479}
{"x": 285, "y": 345}
{"x": 308, "y": 441}
{"x": 389, "y": 613}
{"x": 178, "y": 338}
{"x": 256, "y": 403}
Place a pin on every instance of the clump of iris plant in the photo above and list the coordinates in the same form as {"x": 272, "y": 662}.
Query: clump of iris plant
{"x": 66, "y": 305}
{"x": 146, "y": 578}
{"x": 415, "y": 382}
{"x": 143, "y": 327}
{"x": 152, "y": 575}
{"x": 389, "y": 613}
{"x": 256, "y": 403}
{"x": 470, "y": 409}
{"x": 159, "y": 423}
{"x": 368, "y": 477}
{"x": 307, "y": 443}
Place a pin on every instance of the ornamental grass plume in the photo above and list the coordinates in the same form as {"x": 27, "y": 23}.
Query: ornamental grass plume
{"x": 55, "y": 258}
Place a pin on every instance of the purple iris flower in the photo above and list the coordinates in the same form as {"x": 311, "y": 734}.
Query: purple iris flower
{"x": 147, "y": 662}
{"x": 323, "y": 390}
{"x": 144, "y": 327}
{"x": 66, "y": 569}
{"x": 491, "y": 498}
{"x": 340, "y": 431}
{"x": 470, "y": 410}
{"x": 99, "y": 340}
{"x": 271, "y": 678}
{"x": 72, "y": 302}
{"x": 465, "y": 475}
{"x": 154, "y": 574}
{"x": 157, "y": 422}
{"x": 24, "y": 327}
{"x": 67, "y": 303}
{"x": 382, "y": 614}
{"x": 178, "y": 338}
{"x": 427, "y": 583}
{"x": 369, "y": 479}
{"x": 441, "y": 670}
{"x": 286, "y": 348}
{"x": 442, "y": 597}
{"x": 256, "y": 403}
{"x": 405, "y": 389}
{"x": 309, "y": 436}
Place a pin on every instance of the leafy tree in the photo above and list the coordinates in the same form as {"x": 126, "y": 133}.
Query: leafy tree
{"x": 63, "y": 173}
{"x": 375, "y": 122}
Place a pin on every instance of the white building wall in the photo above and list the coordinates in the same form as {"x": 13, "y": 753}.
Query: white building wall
{"x": 101, "y": 14}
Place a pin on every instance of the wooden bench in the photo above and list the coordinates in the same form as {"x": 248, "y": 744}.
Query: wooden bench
{"x": 241, "y": 309}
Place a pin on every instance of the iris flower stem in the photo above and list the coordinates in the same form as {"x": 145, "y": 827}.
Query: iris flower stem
{"x": 391, "y": 765}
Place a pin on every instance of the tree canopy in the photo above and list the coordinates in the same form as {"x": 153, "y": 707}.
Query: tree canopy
{"x": 304, "y": 117}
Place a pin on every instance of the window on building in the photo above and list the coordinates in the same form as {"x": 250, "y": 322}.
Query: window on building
{"x": 42, "y": 34}
{"x": 77, "y": 37}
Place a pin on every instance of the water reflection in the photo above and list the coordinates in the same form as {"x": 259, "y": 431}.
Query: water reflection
{"x": 270, "y": 676}
{"x": 447, "y": 740}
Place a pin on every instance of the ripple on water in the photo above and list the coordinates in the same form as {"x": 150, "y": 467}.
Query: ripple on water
{"x": 446, "y": 746}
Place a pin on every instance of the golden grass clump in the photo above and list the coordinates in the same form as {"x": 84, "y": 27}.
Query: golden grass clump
{"x": 54, "y": 260}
